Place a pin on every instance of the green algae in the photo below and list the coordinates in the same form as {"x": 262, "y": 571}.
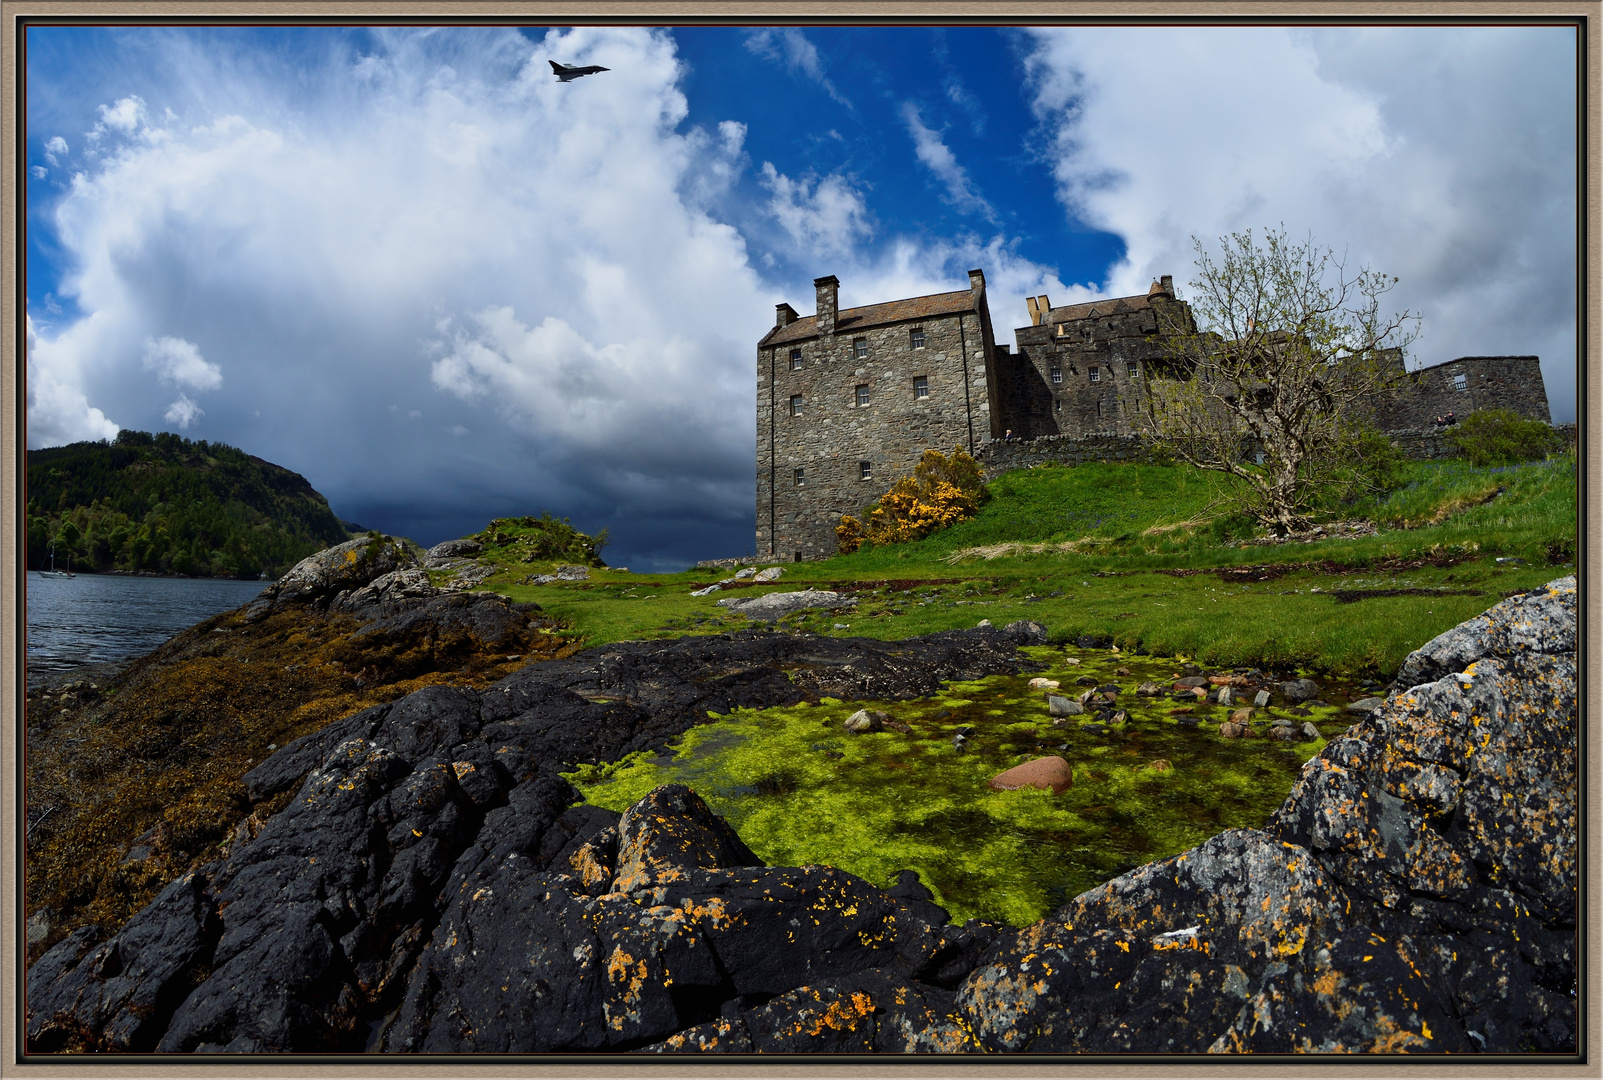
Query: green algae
{"x": 800, "y": 790}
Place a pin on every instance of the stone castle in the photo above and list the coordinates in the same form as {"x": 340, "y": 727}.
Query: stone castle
{"x": 848, "y": 400}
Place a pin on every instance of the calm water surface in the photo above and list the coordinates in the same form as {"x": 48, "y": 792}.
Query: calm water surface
{"x": 104, "y": 618}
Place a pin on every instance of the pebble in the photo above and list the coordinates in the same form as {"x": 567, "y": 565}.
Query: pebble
{"x": 1062, "y": 706}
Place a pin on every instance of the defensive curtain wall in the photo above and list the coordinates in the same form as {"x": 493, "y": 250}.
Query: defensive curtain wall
{"x": 848, "y": 400}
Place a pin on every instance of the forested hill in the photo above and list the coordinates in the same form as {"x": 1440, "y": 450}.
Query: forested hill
{"x": 163, "y": 503}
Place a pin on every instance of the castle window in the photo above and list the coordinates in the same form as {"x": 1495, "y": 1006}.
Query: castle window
{"x": 1460, "y": 382}
{"x": 860, "y": 348}
{"x": 1096, "y": 375}
{"x": 865, "y": 470}
{"x": 862, "y": 394}
{"x": 795, "y": 404}
{"x": 801, "y": 477}
{"x": 795, "y": 360}
{"x": 1057, "y": 374}
{"x": 916, "y": 339}
{"x": 921, "y": 386}
{"x": 1131, "y": 369}
{"x": 1098, "y": 406}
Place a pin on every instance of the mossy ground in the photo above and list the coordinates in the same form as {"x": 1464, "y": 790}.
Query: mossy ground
{"x": 799, "y": 789}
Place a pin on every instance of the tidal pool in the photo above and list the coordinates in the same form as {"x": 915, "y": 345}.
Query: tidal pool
{"x": 801, "y": 790}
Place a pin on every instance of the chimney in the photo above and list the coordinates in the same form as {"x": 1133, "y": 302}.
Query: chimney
{"x": 784, "y": 315}
{"x": 828, "y": 295}
{"x": 1035, "y": 310}
{"x": 1167, "y": 281}
{"x": 976, "y": 284}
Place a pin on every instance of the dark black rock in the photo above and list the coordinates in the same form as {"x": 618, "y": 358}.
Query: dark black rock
{"x": 917, "y": 899}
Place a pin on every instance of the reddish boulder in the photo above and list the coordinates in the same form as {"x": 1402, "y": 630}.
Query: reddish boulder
{"x": 1046, "y": 772}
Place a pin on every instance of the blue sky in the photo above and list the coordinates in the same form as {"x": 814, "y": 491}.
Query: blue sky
{"x": 410, "y": 265}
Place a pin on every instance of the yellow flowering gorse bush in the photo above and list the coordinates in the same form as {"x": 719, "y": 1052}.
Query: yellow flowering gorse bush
{"x": 942, "y": 491}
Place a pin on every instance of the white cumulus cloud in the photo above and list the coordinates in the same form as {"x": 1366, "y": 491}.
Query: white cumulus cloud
{"x": 58, "y": 409}
{"x": 1443, "y": 155}
{"x": 827, "y": 215}
{"x": 182, "y": 412}
{"x": 178, "y": 361}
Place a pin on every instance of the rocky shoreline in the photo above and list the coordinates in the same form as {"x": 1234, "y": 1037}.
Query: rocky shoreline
{"x": 434, "y": 885}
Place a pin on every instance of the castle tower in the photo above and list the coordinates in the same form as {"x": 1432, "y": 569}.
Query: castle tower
{"x": 847, "y": 401}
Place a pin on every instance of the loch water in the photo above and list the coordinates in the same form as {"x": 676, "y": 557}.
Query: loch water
{"x": 94, "y": 619}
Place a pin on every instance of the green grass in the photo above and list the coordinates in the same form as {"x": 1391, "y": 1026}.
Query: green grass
{"x": 1115, "y": 585}
{"x": 801, "y": 790}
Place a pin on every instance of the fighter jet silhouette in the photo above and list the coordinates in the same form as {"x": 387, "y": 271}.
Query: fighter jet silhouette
{"x": 564, "y": 73}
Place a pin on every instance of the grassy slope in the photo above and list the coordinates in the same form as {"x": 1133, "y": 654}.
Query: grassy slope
{"x": 1126, "y": 523}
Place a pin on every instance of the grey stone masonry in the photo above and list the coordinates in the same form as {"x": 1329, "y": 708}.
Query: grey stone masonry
{"x": 1080, "y": 369}
{"x": 1462, "y": 386}
{"x": 847, "y": 401}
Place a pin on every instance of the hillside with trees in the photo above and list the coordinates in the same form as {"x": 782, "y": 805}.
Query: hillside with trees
{"x": 163, "y": 504}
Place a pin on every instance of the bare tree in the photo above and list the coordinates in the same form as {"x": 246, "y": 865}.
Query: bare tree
{"x": 1271, "y": 383}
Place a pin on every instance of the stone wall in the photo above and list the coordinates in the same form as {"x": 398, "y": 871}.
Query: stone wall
{"x": 833, "y": 436}
{"x": 1000, "y": 457}
{"x": 1461, "y": 386}
{"x": 1418, "y": 444}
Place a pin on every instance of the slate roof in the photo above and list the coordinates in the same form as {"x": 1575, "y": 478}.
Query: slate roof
{"x": 855, "y": 319}
{"x": 1119, "y": 305}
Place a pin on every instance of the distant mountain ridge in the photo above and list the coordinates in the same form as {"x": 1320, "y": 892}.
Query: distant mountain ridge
{"x": 164, "y": 504}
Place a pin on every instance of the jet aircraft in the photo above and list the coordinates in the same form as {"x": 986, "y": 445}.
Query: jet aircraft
{"x": 564, "y": 73}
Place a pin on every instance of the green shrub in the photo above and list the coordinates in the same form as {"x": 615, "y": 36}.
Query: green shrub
{"x": 1499, "y": 437}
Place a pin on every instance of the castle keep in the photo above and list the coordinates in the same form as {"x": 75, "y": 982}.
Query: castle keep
{"x": 848, "y": 400}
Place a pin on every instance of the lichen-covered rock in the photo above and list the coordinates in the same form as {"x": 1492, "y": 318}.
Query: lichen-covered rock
{"x": 777, "y": 605}
{"x": 450, "y": 549}
{"x": 397, "y": 585}
{"x": 1257, "y": 898}
{"x": 670, "y": 832}
{"x": 1360, "y": 993}
{"x": 350, "y": 565}
{"x": 1052, "y": 988}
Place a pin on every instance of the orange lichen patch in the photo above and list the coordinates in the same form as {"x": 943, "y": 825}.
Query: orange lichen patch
{"x": 839, "y": 1015}
{"x": 589, "y": 868}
